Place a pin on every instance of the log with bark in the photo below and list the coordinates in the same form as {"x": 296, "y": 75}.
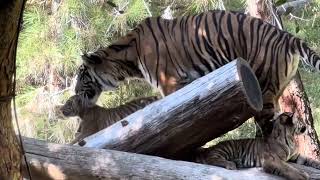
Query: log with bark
{"x": 59, "y": 162}
{"x": 294, "y": 99}
{"x": 185, "y": 120}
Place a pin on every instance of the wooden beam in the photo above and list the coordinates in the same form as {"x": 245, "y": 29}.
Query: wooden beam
{"x": 201, "y": 111}
{"x": 60, "y": 162}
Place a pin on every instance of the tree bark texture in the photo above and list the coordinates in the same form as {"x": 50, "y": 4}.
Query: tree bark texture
{"x": 203, "y": 110}
{"x": 294, "y": 98}
{"x": 60, "y": 162}
{"x": 10, "y": 155}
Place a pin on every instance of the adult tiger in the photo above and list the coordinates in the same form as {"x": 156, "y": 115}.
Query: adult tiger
{"x": 171, "y": 53}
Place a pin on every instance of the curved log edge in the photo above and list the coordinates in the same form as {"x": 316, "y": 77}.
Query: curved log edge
{"x": 199, "y": 112}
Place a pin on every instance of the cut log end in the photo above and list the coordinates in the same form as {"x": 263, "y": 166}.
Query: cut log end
{"x": 250, "y": 84}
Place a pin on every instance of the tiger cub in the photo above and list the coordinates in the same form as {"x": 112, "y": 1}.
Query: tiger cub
{"x": 271, "y": 152}
{"x": 95, "y": 118}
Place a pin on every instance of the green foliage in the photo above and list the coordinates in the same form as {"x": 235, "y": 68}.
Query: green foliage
{"x": 126, "y": 92}
{"x": 27, "y": 93}
{"x": 312, "y": 88}
{"x": 307, "y": 22}
{"x": 280, "y": 2}
{"x": 235, "y": 5}
{"x": 198, "y": 6}
{"x": 246, "y": 130}
{"x": 135, "y": 12}
{"x": 35, "y": 48}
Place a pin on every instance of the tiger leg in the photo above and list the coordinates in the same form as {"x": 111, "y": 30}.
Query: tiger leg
{"x": 77, "y": 139}
{"x": 77, "y": 135}
{"x": 224, "y": 163}
{"x": 308, "y": 162}
{"x": 173, "y": 85}
{"x": 81, "y": 135}
{"x": 275, "y": 165}
{"x": 264, "y": 117}
{"x": 217, "y": 161}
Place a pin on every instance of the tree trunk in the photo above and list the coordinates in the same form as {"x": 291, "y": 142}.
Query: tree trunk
{"x": 183, "y": 121}
{"x": 294, "y": 98}
{"x": 10, "y": 155}
{"x": 50, "y": 161}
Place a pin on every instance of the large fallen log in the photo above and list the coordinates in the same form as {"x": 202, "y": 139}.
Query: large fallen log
{"x": 201, "y": 111}
{"x": 60, "y": 162}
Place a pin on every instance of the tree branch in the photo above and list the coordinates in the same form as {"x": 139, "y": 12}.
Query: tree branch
{"x": 293, "y": 4}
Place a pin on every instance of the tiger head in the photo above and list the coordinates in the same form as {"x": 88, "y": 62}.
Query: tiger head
{"x": 87, "y": 86}
{"x": 99, "y": 72}
{"x": 73, "y": 106}
{"x": 287, "y": 125}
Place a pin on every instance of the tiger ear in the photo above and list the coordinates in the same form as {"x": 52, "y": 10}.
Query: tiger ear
{"x": 91, "y": 59}
{"x": 286, "y": 118}
{"x": 269, "y": 126}
{"x": 289, "y": 114}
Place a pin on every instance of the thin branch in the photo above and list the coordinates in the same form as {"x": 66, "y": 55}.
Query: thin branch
{"x": 296, "y": 17}
{"x": 60, "y": 92}
{"x": 116, "y": 15}
{"x": 275, "y": 16}
{"x": 293, "y": 4}
{"x": 147, "y": 8}
{"x": 167, "y": 13}
{"x": 221, "y": 5}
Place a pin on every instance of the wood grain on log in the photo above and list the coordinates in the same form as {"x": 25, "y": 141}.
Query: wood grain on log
{"x": 201, "y": 111}
{"x": 60, "y": 162}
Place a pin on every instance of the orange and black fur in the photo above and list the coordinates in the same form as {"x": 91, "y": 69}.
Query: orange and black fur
{"x": 95, "y": 118}
{"x": 172, "y": 53}
{"x": 271, "y": 152}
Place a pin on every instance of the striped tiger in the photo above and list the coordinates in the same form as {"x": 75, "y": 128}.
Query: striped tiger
{"x": 172, "y": 53}
{"x": 95, "y": 118}
{"x": 271, "y": 152}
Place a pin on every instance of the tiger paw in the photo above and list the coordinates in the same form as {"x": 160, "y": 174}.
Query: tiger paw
{"x": 231, "y": 166}
{"x": 301, "y": 176}
{"x": 306, "y": 176}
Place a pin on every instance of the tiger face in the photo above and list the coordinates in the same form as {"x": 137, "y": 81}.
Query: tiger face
{"x": 87, "y": 86}
{"x": 95, "y": 77}
{"x": 73, "y": 106}
{"x": 109, "y": 71}
{"x": 288, "y": 124}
